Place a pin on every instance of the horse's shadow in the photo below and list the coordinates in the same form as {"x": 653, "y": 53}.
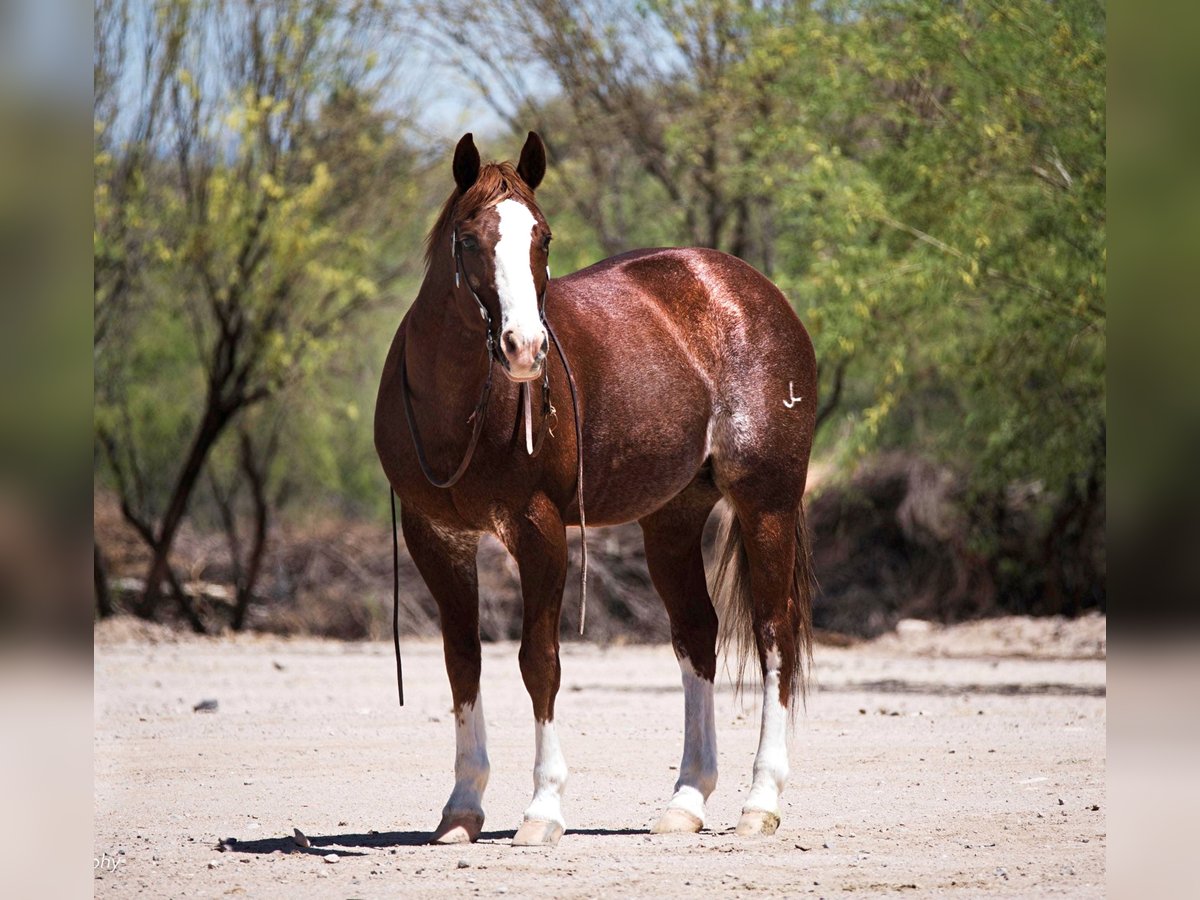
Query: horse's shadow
{"x": 343, "y": 844}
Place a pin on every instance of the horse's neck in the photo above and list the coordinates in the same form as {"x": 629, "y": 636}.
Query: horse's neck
{"x": 446, "y": 360}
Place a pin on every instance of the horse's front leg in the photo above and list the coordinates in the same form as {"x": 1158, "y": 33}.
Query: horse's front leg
{"x": 538, "y": 542}
{"x": 446, "y": 561}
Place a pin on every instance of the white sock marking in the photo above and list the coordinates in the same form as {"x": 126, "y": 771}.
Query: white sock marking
{"x": 771, "y": 763}
{"x": 549, "y": 776}
{"x": 698, "y": 768}
{"x": 514, "y": 277}
{"x": 470, "y": 761}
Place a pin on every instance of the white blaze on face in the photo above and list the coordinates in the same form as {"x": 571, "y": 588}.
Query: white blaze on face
{"x": 549, "y": 777}
{"x": 470, "y": 761}
{"x": 698, "y": 769}
{"x": 514, "y": 277}
{"x": 771, "y": 763}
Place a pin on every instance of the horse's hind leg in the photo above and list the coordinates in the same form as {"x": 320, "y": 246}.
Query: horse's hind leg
{"x": 446, "y": 562}
{"x": 766, "y": 551}
{"x": 673, "y": 556}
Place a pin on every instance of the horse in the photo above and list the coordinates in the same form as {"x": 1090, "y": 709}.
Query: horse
{"x": 690, "y": 380}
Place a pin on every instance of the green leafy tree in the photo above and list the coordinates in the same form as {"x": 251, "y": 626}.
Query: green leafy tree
{"x": 925, "y": 180}
{"x": 941, "y": 172}
{"x": 244, "y": 221}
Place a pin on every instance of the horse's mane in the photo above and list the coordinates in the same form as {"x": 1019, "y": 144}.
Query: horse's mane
{"x": 496, "y": 182}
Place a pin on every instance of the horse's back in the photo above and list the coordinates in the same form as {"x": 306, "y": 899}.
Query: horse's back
{"x": 715, "y": 300}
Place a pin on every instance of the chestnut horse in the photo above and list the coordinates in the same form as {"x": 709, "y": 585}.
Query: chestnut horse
{"x": 696, "y": 382}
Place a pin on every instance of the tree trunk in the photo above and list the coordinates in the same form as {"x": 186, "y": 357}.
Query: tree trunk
{"x": 740, "y": 246}
{"x": 185, "y": 603}
{"x": 262, "y": 511}
{"x": 826, "y": 409}
{"x": 214, "y": 422}
{"x": 104, "y": 607}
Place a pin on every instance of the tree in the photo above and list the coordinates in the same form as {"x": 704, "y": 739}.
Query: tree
{"x": 925, "y": 180}
{"x": 649, "y": 97}
{"x": 259, "y": 228}
{"x": 950, "y": 241}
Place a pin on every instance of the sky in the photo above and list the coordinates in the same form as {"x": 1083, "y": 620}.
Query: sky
{"x": 449, "y": 105}
{"x": 45, "y": 50}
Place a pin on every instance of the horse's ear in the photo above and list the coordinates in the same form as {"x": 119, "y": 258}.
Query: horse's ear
{"x": 466, "y": 163}
{"x": 532, "y": 167}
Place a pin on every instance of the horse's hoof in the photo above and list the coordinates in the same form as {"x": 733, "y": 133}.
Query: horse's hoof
{"x": 677, "y": 821}
{"x": 757, "y": 821}
{"x": 535, "y": 833}
{"x": 458, "y": 828}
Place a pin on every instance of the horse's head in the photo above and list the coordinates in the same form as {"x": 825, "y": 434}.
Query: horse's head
{"x": 502, "y": 247}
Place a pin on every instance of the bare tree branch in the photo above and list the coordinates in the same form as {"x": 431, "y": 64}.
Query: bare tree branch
{"x": 834, "y": 397}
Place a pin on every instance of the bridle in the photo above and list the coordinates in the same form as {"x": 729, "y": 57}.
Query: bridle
{"x": 477, "y": 417}
{"x": 480, "y": 413}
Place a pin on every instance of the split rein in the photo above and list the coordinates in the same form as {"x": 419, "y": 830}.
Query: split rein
{"x": 477, "y": 417}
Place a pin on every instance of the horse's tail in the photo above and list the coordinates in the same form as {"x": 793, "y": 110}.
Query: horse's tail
{"x": 735, "y": 603}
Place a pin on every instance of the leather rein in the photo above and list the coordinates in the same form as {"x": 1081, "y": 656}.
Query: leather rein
{"x": 532, "y": 447}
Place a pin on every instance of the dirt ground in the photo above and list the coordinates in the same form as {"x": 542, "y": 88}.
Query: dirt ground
{"x": 966, "y": 761}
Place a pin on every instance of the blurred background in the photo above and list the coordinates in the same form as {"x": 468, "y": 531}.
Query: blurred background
{"x": 925, "y": 181}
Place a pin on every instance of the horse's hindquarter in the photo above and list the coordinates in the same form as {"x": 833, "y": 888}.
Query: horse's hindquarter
{"x": 766, "y": 404}
{"x": 680, "y": 355}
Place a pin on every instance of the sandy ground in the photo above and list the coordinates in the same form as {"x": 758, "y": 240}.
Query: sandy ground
{"x": 966, "y": 761}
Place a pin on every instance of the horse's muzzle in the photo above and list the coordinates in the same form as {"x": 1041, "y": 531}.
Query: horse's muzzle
{"x": 523, "y": 355}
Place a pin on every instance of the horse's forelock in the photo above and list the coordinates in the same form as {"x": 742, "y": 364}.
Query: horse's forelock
{"x": 496, "y": 182}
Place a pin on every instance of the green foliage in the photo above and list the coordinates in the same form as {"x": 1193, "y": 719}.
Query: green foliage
{"x": 957, "y": 180}
{"x": 253, "y": 209}
{"x": 927, "y": 183}
{"x": 925, "y": 180}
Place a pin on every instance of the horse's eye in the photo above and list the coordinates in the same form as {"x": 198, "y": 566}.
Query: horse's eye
{"x": 469, "y": 243}
{"x": 546, "y": 244}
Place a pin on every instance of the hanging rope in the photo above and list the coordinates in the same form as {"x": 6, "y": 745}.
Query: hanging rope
{"x": 396, "y": 598}
{"x": 583, "y": 550}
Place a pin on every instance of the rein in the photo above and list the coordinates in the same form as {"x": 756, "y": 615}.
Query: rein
{"x": 578, "y": 475}
{"x": 480, "y": 413}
